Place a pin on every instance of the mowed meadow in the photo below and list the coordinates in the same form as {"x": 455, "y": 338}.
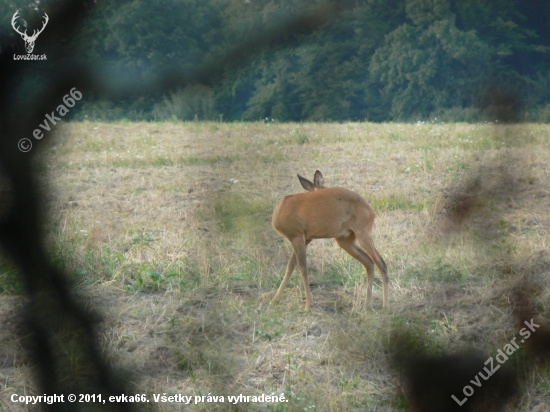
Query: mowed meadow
{"x": 165, "y": 228}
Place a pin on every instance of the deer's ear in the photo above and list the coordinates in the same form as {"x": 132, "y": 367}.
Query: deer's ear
{"x": 319, "y": 180}
{"x": 306, "y": 184}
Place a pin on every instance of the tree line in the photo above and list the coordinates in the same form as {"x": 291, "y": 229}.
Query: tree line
{"x": 377, "y": 60}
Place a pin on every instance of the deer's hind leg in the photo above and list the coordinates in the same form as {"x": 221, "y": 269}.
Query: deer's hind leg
{"x": 349, "y": 244}
{"x": 367, "y": 242}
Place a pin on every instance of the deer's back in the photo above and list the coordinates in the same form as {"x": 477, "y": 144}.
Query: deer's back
{"x": 325, "y": 213}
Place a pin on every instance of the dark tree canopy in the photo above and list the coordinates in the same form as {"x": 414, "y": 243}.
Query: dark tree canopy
{"x": 377, "y": 60}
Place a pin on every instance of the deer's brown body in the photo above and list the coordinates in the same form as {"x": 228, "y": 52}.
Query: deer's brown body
{"x": 329, "y": 213}
{"x": 321, "y": 213}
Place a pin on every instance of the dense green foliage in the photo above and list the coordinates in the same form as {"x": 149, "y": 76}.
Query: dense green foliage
{"x": 378, "y": 60}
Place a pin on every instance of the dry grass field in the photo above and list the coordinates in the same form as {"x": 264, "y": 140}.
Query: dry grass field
{"x": 166, "y": 228}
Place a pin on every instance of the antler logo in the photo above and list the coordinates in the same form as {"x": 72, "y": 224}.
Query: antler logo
{"x": 29, "y": 40}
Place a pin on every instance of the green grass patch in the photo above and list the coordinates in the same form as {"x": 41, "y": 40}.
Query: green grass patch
{"x": 344, "y": 272}
{"x": 153, "y": 277}
{"x": 269, "y": 328}
{"x": 141, "y": 161}
{"x": 297, "y": 136}
{"x": 395, "y": 136}
{"x": 209, "y": 160}
{"x": 247, "y": 269}
{"x": 237, "y": 213}
{"x": 10, "y": 282}
{"x": 395, "y": 202}
{"x": 439, "y": 271}
{"x": 417, "y": 334}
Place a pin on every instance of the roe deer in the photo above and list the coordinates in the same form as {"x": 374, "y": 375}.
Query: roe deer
{"x": 322, "y": 213}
